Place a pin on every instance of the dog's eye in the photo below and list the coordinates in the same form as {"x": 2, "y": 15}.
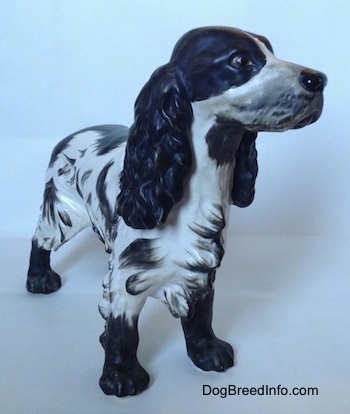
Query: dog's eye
{"x": 241, "y": 60}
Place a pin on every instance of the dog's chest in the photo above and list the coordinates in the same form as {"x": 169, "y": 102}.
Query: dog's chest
{"x": 175, "y": 264}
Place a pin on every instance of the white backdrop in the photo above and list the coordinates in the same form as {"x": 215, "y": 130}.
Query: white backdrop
{"x": 284, "y": 285}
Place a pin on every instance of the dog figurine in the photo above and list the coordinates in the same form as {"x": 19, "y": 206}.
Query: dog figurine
{"x": 157, "y": 194}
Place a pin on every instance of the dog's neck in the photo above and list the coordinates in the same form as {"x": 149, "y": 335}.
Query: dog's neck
{"x": 208, "y": 190}
{"x": 203, "y": 209}
{"x": 215, "y": 143}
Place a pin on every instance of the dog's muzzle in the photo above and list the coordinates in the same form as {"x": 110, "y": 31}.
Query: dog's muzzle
{"x": 313, "y": 82}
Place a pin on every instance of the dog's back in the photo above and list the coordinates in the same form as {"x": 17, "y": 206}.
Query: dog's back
{"x": 75, "y": 196}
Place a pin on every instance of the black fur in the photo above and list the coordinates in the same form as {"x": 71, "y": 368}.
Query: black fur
{"x": 109, "y": 214}
{"x": 41, "y": 278}
{"x": 158, "y": 155}
{"x": 223, "y": 139}
{"x": 77, "y": 186}
{"x": 209, "y": 240}
{"x": 122, "y": 373}
{"x": 85, "y": 176}
{"x": 201, "y": 266}
{"x": 140, "y": 254}
{"x": 59, "y": 148}
{"x": 64, "y": 217}
{"x": 207, "y": 64}
{"x": 50, "y": 197}
{"x": 206, "y": 57}
{"x": 246, "y": 171}
{"x": 111, "y": 138}
{"x": 206, "y": 351}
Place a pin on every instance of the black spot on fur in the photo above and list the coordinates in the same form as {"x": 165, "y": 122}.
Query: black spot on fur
{"x": 140, "y": 254}
{"x": 64, "y": 217}
{"x": 61, "y": 146}
{"x": 95, "y": 229}
{"x": 77, "y": 185}
{"x": 71, "y": 161}
{"x": 209, "y": 240}
{"x": 63, "y": 237}
{"x": 200, "y": 265}
{"x": 104, "y": 205}
{"x": 217, "y": 221}
{"x": 50, "y": 198}
{"x": 134, "y": 284}
{"x": 85, "y": 176}
{"x": 112, "y": 136}
{"x": 223, "y": 140}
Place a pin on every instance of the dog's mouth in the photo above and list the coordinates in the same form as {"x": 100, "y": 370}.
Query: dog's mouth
{"x": 288, "y": 123}
{"x": 310, "y": 119}
{"x": 283, "y": 120}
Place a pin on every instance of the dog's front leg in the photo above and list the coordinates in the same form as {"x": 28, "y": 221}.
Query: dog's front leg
{"x": 206, "y": 351}
{"x": 122, "y": 373}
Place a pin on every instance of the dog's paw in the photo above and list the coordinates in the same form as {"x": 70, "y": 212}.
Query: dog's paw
{"x": 46, "y": 282}
{"x": 124, "y": 380}
{"x": 211, "y": 354}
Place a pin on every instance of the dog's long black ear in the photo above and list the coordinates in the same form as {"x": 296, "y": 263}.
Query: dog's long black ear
{"x": 158, "y": 153}
{"x": 246, "y": 171}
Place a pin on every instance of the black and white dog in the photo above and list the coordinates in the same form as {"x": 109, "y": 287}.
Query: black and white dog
{"x": 157, "y": 194}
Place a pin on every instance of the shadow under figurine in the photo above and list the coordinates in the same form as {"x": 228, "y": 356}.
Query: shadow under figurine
{"x": 157, "y": 194}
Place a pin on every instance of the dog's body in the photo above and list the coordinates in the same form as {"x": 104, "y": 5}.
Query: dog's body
{"x": 157, "y": 194}
{"x": 169, "y": 262}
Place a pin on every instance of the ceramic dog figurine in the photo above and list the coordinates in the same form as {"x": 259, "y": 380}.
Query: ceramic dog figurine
{"x": 157, "y": 194}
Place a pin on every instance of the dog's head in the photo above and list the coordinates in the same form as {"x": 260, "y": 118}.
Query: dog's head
{"x": 240, "y": 80}
{"x": 230, "y": 77}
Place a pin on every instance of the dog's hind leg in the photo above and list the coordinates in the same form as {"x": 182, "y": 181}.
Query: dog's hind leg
{"x": 61, "y": 219}
{"x": 41, "y": 278}
{"x": 206, "y": 351}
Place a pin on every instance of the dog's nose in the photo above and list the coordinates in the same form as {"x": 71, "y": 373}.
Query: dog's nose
{"x": 313, "y": 81}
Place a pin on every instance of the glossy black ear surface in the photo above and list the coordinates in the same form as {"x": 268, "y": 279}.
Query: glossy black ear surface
{"x": 158, "y": 154}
